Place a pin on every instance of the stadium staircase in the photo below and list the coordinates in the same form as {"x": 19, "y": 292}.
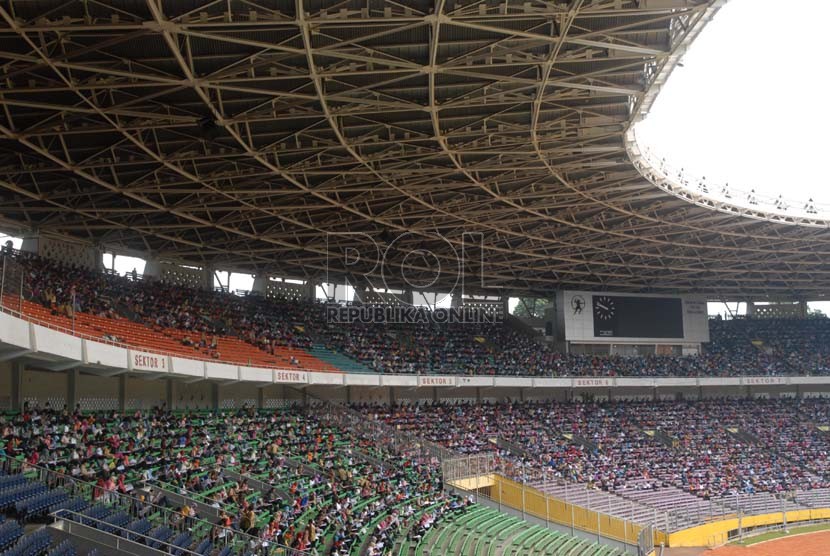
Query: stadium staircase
{"x": 337, "y": 360}
{"x": 664, "y": 438}
{"x": 585, "y": 442}
{"x": 761, "y": 346}
{"x": 521, "y": 326}
{"x": 503, "y": 444}
{"x": 743, "y": 436}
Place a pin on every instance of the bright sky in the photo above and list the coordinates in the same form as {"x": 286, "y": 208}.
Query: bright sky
{"x": 749, "y": 107}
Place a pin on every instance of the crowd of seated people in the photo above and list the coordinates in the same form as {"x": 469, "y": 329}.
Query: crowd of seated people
{"x": 430, "y": 348}
{"x": 641, "y": 445}
{"x": 327, "y": 487}
{"x": 798, "y": 344}
{"x": 737, "y": 347}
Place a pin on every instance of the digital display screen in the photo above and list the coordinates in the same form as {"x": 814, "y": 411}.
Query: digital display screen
{"x": 637, "y": 317}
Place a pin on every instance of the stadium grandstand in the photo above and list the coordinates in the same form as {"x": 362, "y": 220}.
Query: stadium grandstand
{"x": 390, "y": 177}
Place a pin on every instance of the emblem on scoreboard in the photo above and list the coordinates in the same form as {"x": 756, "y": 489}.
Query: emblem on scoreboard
{"x": 577, "y": 304}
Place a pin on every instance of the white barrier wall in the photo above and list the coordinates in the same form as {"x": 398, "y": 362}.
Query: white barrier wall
{"x": 105, "y": 355}
{"x": 109, "y": 376}
{"x": 56, "y": 343}
{"x": 14, "y": 332}
{"x": 101, "y": 392}
{"x": 187, "y": 367}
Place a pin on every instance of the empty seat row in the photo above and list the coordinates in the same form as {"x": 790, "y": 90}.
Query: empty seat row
{"x": 159, "y": 536}
{"x": 40, "y": 503}
{"x": 10, "y": 497}
{"x": 33, "y": 544}
{"x": 136, "y": 530}
{"x": 10, "y": 531}
{"x": 64, "y": 548}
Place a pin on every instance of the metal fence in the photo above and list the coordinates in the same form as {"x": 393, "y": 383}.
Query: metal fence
{"x": 533, "y": 505}
{"x": 119, "y": 538}
{"x": 645, "y": 541}
{"x": 459, "y": 468}
{"x": 12, "y": 278}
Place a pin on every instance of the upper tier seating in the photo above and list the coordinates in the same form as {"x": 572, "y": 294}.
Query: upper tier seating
{"x": 292, "y": 334}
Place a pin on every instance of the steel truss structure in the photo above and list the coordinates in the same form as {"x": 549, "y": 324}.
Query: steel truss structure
{"x": 279, "y": 136}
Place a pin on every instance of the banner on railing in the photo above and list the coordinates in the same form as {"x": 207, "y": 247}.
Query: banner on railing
{"x": 142, "y": 361}
{"x": 436, "y": 381}
{"x": 291, "y": 377}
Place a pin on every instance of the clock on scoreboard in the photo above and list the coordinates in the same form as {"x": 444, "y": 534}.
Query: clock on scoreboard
{"x": 617, "y": 316}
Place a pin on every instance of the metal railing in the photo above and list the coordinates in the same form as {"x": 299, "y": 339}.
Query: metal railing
{"x": 120, "y": 540}
{"x": 645, "y": 541}
{"x": 534, "y": 505}
{"x": 12, "y": 297}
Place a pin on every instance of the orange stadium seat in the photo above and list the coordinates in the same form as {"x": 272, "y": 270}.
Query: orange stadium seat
{"x": 169, "y": 340}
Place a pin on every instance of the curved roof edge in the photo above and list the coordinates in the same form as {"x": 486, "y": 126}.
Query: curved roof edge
{"x": 658, "y": 173}
{"x": 674, "y": 183}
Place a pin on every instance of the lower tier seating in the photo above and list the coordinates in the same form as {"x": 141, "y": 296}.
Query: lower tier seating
{"x": 485, "y": 531}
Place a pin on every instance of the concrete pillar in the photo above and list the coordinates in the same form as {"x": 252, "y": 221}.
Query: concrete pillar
{"x": 29, "y": 244}
{"x": 169, "y": 394}
{"x": 360, "y": 294}
{"x": 207, "y": 278}
{"x": 122, "y": 393}
{"x": 98, "y": 256}
{"x": 214, "y": 396}
{"x": 260, "y": 284}
{"x": 72, "y": 388}
{"x": 17, "y": 386}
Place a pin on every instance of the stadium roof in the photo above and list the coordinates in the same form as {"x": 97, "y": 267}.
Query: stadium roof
{"x": 251, "y": 135}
